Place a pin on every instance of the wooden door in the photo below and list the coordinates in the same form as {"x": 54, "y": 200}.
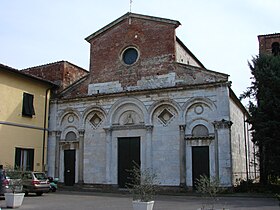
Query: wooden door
{"x": 128, "y": 153}
{"x": 69, "y": 167}
{"x": 200, "y": 163}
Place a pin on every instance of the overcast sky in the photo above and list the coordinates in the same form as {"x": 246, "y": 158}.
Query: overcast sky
{"x": 222, "y": 34}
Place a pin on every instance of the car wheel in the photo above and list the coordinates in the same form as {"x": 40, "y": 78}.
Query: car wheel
{"x": 39, "y": 193}
{"x": 26, "y": 193}
{"x": 53, "y": 189}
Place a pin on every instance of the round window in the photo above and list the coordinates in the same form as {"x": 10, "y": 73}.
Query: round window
{"x": 130, "y": 56}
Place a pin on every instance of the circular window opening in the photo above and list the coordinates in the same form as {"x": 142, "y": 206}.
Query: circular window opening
{"x": 130, "y": 56}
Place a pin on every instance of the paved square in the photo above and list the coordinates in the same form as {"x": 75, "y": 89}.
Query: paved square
{"x": 107, "y": 201}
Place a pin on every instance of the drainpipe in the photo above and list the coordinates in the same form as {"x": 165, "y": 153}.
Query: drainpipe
{"x": 45, "y": 129}
{"x": 246, "y": 152}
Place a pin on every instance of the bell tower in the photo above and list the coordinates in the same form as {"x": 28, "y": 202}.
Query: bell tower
{"x": 269, "y": 43}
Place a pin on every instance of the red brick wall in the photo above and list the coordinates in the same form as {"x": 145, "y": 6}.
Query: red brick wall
{"x": 62, "y": 73}
{"x": 266, "y": 41}
{"x": 154, "y": 40}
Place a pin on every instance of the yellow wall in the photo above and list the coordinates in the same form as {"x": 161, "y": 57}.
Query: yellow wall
{"x": 15, "y": 129}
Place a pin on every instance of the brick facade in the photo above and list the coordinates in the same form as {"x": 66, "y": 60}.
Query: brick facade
{"x": 266, "y": 42}
{"x": 61, "y": 73}
{"x": 145, "y": 35}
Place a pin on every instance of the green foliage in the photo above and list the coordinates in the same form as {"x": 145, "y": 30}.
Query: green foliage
{"x": 14, "y": 176}
{"x": 265, "y": 113}
{"x": 144, "y": 184}
{"x": 208, "y": 188}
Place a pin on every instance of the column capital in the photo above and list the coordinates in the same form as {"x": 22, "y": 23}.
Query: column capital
{"x": 58, "y": 133}
{"x": 222, "y": 124}
{"x": 108, "y": 130}
{"x": 81, "y": 132}
{"x": 182, "y": 127}
{"x": 149, "y": 127}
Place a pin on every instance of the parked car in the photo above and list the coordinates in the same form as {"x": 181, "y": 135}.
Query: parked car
{"x": 35, "y": 182}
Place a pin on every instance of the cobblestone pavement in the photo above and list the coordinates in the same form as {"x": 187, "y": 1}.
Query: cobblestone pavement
{"x": 67, "y": 200}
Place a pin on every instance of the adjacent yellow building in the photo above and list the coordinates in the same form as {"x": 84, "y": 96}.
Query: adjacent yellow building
{"x": 24, "y": 101}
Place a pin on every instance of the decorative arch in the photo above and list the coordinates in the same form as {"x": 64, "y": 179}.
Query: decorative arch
{"x": 202, "y": 122}
{"x": 118, "y": 108}
{"x": 200, "y": 130}
{"x": 198, "y": 101}
{"x": 69, "y": 112}
{"x": 202, "y": 100}
{"x": 167, "y": 102}
{"x": 68, "y": 130}
{"x": 95, "y": 115}
{"x": 91, "y": 109}
{"x": 70, "y": 136}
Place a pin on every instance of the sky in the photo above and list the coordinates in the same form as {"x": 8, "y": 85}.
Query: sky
{"x": 222, "y": 34}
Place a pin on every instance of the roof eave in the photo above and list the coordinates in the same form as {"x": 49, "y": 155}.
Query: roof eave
{"x": 131, "y": 15}
{"x": 21, "y": 73}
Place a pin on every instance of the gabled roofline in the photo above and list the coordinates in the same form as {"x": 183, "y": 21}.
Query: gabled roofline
{"x": 70, "y": 87}
{"x": 55, "y": 63}
{"x": 21, "y": 73}
{"x": 190, "y": 53}
{"x": 132, "y": 15}
{"x": 201, "y": 69}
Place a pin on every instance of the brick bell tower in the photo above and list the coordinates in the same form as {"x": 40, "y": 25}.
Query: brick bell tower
{"x": 269, "y": 43}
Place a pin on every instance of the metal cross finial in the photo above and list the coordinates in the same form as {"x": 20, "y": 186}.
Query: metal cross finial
{"x": 130, "y": 4}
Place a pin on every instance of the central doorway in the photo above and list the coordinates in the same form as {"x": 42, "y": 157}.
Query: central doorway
{"x": 128, "y": 153}
{"x": 200, "y": 163}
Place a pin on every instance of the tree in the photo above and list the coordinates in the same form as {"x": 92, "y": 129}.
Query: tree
{"x": 265, "y": 113}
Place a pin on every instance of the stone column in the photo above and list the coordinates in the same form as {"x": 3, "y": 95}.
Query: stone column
{"x": 81, "y": 157}
{"x": 149, "y": 149}
{"x": 223, "y": 156}
{"x": 57, "y": 154}
{"x": 182, "y": 156}
{"x": 108, "y": 155}
{"x": 51, "y": 152}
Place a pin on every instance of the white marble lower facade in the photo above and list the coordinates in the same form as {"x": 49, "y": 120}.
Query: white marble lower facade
{"x": 169, "y": 124}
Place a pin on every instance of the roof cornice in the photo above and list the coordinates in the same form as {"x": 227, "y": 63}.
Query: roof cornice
{"x": 132, "y": 15}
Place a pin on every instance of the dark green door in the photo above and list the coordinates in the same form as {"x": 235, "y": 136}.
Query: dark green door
{"x": 69, "y": 167}
{"x": 128, "y": 152}
{"x": 200, "y": 163}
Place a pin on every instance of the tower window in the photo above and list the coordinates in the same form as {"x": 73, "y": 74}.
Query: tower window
{"x": 275, "y": 48}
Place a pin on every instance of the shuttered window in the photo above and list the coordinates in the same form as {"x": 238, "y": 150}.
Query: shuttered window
{"x": 27, "y": 105}
{"x": 24, "y": 159}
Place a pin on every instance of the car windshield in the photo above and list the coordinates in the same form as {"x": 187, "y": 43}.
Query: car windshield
{"x": 40, "y": 176}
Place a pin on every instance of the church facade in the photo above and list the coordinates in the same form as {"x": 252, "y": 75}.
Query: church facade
{"x": 147, "y": 99}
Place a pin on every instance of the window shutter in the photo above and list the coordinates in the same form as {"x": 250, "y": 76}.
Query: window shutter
{"x": 18, "y": 158}
{"x": 30, "y": 160}
{"x": 27, "y": 107}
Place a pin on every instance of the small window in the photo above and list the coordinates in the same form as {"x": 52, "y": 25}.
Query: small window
{"x": 71, "y": 136}
{"x": 275, "y": 48}
{"x": 199, "y": 131}
{"x": 130, "y": 56}
{"x": 27, "y": 105}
